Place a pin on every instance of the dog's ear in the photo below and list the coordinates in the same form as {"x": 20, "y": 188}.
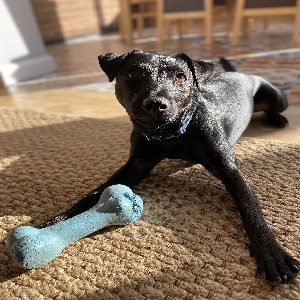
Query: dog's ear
{"x": 111, "y": 63}
{"x": 202, "y": 71}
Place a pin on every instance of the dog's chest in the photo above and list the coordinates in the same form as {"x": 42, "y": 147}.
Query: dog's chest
{"x": 177, "y": 148}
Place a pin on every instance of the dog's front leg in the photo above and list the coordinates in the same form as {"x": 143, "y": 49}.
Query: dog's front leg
{"x": 273, "y": 262}
{"x": 130, "y": 174}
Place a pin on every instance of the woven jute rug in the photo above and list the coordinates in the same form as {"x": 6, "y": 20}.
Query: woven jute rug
{"x": 189, "y": 244}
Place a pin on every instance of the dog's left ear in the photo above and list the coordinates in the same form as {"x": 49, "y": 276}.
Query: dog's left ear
{"x": 202, "y": 71}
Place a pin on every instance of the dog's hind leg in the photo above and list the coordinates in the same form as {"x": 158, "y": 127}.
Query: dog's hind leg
{"x": 276, "y": 119}
{"x": 268, "y": 98}
{"x": 272, "y": 101}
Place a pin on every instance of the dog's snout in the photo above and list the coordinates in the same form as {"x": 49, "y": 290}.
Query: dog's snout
{"x": 154, "y": 105}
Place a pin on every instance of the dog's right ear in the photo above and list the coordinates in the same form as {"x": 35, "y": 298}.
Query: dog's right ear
{"x": 111, "y": 64}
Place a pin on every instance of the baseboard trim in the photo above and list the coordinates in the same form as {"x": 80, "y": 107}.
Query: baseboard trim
{"x": 15, "y": 72}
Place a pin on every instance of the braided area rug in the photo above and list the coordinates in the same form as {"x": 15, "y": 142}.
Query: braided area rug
{"x": 189, "y": 244}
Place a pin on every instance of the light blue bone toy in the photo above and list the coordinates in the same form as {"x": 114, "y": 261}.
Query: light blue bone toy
{"x": 32, "y": 248}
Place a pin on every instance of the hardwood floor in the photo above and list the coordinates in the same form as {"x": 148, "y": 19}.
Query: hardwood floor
{"x": 87, "y": 104}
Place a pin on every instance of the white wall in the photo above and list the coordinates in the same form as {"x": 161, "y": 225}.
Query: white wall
{"x": 22, "y": 51}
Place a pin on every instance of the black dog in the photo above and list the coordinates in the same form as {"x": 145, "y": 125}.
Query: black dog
{"x": 182, "y": 108}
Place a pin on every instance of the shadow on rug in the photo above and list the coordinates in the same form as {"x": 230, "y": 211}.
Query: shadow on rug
{"x": 190, "y": 242}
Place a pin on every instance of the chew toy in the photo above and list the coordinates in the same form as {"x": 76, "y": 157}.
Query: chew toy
{"x": 32, "y": 248}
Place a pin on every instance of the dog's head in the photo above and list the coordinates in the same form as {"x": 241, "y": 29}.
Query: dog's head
{"x": 155, "y": 89}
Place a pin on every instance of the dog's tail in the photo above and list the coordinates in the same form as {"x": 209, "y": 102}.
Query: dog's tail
{"x": 226, "y": 65}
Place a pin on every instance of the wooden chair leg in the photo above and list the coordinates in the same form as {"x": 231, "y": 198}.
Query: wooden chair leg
{"x": 168, "y": 27}
{"x": 297, "y": 25}
{"x": 245, "y": 24}
{"x": 208, "y": 21}
{"x": 160, "y": 21}
{"x": 122, "y": 25}
{"x": 230, "y": 4}
{"x": 127, "y": 21}
{"x": 237, "y": 21}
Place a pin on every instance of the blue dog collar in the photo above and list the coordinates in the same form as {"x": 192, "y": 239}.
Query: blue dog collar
{"x": 178, "y": 133}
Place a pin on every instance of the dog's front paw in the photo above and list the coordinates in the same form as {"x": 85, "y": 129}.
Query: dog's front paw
{"x": 275, "y": 264}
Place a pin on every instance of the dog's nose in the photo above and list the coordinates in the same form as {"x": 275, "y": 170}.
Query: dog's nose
{"x": 155, "y": 105}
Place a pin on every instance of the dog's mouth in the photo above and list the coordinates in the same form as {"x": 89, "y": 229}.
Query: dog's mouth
{"x": 153, "y": 123}
{"x": 163, "y": 126}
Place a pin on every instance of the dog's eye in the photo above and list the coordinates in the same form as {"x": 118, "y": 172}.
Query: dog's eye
{"x": 133, "y": 74}
{"x": 180, "y": 77}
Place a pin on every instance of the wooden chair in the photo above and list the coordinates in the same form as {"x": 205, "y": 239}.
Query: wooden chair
{"x": 265, "y": 8}
{"x": 128, "y": 17}
{"x": 183, "y": 11}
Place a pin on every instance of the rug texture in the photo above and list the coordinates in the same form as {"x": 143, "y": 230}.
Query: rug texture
{"x": 190, "y": 242}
